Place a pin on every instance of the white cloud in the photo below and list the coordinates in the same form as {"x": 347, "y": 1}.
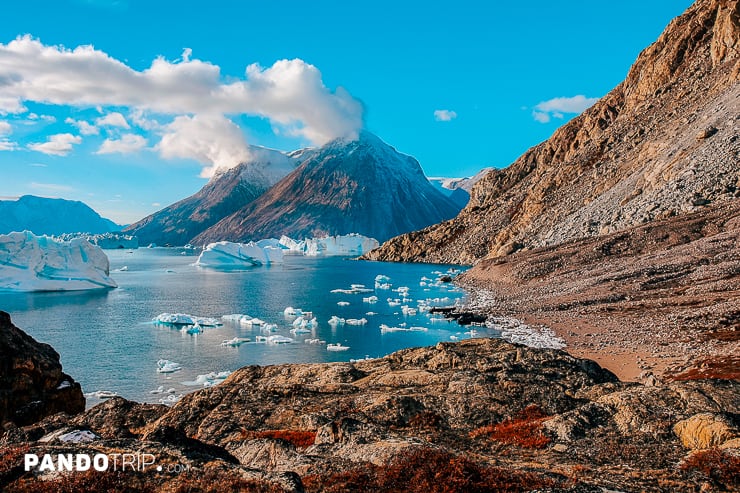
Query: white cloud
{"x": 209, "y": 139}
{"x": 444, "y": 115}
{"x": 5, "y": 128}
{"x": 84, "y": 127}
{"x": 51, "y": 187}
{"x": 290, "y": 93}
{"x": 127, "y": 144}
{"x": 57, "y": 145}
{"x": 557, "y": 107}
{"x": 114, "y": 119}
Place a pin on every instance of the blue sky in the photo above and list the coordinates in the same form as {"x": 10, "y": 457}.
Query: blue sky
{"x": 160, "y": 95}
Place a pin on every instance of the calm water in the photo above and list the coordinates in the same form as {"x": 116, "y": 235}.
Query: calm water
{"x": 107, "y": 341}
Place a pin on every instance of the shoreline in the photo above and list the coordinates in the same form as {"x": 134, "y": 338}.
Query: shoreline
{"x": 634, "y": 348}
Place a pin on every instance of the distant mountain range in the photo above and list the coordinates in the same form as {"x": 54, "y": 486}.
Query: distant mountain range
{"x": 347, "y": 186}
{"x": 44, "y": 216}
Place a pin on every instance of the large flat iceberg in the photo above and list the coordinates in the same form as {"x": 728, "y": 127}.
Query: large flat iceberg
{"x": 351, "y": 244}
{"x": 40, "y": 263}
{"x": 228, "y": 255}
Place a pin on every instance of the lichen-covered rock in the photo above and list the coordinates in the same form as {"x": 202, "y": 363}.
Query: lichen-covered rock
{"x": 706, "y": 430}
{"x": 32, "y": 384}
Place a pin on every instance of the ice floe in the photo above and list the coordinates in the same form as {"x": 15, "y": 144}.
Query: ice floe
{"x": 40, "y": 263}
{"x": 235, "y": 342}
{"x": 208, "y": 379}
{"x": 185, "y": 319}
{"x": 228, "y": 255}
{"x": 336, "y": 347}
{"x": 167, "y": 366}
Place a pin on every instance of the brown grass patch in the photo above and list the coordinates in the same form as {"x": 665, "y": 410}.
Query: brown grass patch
{"x": 299, "y": 438}
{"x": 718, "y": 368}
{"x": 715, "y": 465}
{"x": 524, "y": 430}
{"x": 428, "y": 471}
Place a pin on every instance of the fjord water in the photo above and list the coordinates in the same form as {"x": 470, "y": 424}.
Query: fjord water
{"x": 107, "y": 340}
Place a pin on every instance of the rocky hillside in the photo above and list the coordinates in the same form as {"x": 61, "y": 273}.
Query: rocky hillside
{"x": 32, "y": 384}
{"x": 347, "y": 186}
{"x": 665, "y": 142}
{"x": 228, "y": 191}
{"x": 44, "y": 216}
{"x": 475, "y": 416}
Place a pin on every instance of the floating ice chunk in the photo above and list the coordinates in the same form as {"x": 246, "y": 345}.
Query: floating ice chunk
{"x": 334, "y": 321}
{"x": 454, "y": 337}
{"x": 406, "y": 310}
{"x": 370, "y": 299}
{"x": 158, "y": 390}
{"x": 185, "y": 319}
{"x": 370, "y": 314}
{"x": 121, "y": 269}
{"x": 292, "y": 312}
{"x": 382, "y": 278}
{"x": 383, "y": 285}
{"x": 355, "y": 321}
{"x": 353, "y": 289}
{"x": 300, "y": 330}
{"x": 336, "y": 347}
{"x": 40, "y": 263}
{"x": 252, "y": 322}
{"x": 269, "y": 327}
{"x": 343, "y": 303}
{"x": 167, "y": 366}
{"x": 235, "y": 342}
{"x": 351, "y": 244}
{"x": 278, "y": 339}
{"x": 314, "y": 341}
{"x": 208, "y": 379}
{"x": 385, "y": 329}
{"x": 359, "y": 360}
{"x": 79, "y": 436}
{"x": 228, "y": 255}
{"x": 102, "y": 394}
{"x": 170, "y": 399}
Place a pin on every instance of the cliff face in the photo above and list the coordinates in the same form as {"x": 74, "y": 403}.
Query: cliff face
{"x": 664, "y": 142}
{"x": 32, "y": 384}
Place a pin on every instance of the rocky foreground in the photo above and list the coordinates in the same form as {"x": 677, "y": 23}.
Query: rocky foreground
{"x": 477, "y": 415}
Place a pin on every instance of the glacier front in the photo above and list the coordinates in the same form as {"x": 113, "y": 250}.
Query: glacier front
{"x": 351, "y": 244}
{"x": 40, "y": 263}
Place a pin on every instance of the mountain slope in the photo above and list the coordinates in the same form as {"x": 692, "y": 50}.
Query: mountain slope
{"x": 664, "y": 142}
{"x": 45, "y": 216}
{"x": 362, "y": 186}
{"x": 225, "y": 193}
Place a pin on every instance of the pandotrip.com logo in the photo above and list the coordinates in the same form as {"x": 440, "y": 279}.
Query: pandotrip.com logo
{"x": 137, "y": 462}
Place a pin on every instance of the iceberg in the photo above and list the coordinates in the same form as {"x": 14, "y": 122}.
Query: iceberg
{"x": 351, "y": 244}
{"x": 167, "y": 366}
{"x": 336, "y": 347}
{"x": 208, "y": 379}
{"x": 185, "y": 319}
{"x": 40, "y": 263}
{"x": 235, "y": 342}
{"x": 228, "y": 255}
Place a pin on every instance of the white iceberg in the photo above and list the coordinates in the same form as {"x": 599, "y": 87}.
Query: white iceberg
{"x": 355, "y": 321}
{"x": 228, "y": 255}
{"x": 167, "y": 366}
{"x": 208, "y": 379}
{"x": 278, "y": 339}
{"x": 351, "y": 244}
{"x": 336, "y": 347}
{"x": 185, "y": 319}
{"x": 235, "y": 342}
{"x": 40, "y": 263}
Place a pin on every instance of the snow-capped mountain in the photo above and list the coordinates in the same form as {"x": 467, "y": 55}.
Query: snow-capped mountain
{"x": 458, "y": 189}
{"x": 44, "y": 216}
{"x": 228, "y": 191}
{"x": 347, "y": 186}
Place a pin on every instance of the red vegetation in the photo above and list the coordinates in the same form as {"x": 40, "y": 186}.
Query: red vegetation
{"x": 119, "y": 482}
{"x": 299, "y": 438}
{"x": 720, "y": 368}
{"x": 11, "y": 457}
{"x": 524, "y": 430}
{"x": 428, "y": 471}
{"x": 715, "y": 465}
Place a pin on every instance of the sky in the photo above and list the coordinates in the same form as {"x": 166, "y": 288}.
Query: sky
{"x": 131, "y": 105}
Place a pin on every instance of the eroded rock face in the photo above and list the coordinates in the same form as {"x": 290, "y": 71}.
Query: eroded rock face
{"x": 32, "y": 384}
{"x": 631, "y": 158}
{"x": 536, "y": 414}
